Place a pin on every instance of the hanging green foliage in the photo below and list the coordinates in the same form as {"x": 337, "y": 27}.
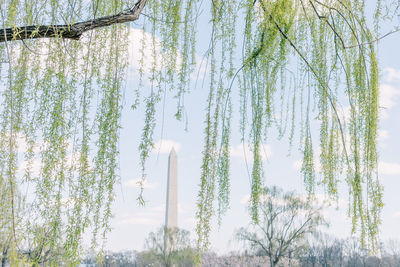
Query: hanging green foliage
{"x": 62, "y": 80}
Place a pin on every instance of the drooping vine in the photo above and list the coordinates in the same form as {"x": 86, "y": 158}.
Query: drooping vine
{"x": 294, "y": 64}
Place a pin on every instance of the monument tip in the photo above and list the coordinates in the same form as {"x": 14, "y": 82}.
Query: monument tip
{"x": 172, "y": 152}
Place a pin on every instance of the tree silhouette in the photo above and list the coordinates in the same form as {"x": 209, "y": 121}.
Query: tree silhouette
{"x": 286, "y": 222}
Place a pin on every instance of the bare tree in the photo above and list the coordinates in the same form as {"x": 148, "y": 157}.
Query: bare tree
{"x": 168, "y": 247}
{"x": 286, "y": 221}
{"x": 39, "y": 248}
{"x": 393, "y": 247}
{"x": 4, "y": 248}
{"x": 323, "y": 251}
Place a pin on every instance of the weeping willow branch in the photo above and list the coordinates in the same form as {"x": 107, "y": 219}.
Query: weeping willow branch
{"x": 331, "y": 100}
{"x": 73, "y": 31}
{"x": 52, "y": 101}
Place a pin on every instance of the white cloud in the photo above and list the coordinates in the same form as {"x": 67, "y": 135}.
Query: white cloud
{"x": 246, "y": 200}
{"x": 396, "y": 214}
{"x": 345, "y": 113}
{"x": 389, "y": 168}
{"x": 299, "y": 163}
{"x": 2, "y": 86}
{"x": 153, "y": 54}
{"x": 323, "y": 200}
{"x": 164, "y": 146}
{"x": 391, "y": 74}
{"x": 138, "y": 183}
{"x": 139, "y": 221}
{"x": 148, "y": 216}
{"x": 383, "y": 135}
{"x": 190, "y": 220}
{"x": 33, "y": 166}
{"x": 189, "y": 223}
{"x": 244, "y": 152}
{"x": 160, "y": 208}
{"x": 327, "y": 200}
{"x": 157, "y": 212}
{"x": 388, "y": 97}
{"x": 136, "y": 37}
{"x": 200, "y": 69}
{"x": 68, "y": 202}
{"x": 185, "y": 208}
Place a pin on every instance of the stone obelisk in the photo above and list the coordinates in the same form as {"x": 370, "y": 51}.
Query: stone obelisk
{"x": 171, "y": 210}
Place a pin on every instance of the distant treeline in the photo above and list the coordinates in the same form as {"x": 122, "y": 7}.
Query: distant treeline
{"x": 323, "y": 252}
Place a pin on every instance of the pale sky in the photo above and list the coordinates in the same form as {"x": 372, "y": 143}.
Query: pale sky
{"x": 132, "y": 223}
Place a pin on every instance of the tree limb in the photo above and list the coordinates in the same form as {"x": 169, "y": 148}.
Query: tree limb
{"x": 72, "y": 31}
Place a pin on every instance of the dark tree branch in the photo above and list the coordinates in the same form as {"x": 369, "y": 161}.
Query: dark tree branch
{"x": 72, "y": 31}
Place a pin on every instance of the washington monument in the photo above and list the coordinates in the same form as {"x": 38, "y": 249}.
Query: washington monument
{"x": 171, "y": 210}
